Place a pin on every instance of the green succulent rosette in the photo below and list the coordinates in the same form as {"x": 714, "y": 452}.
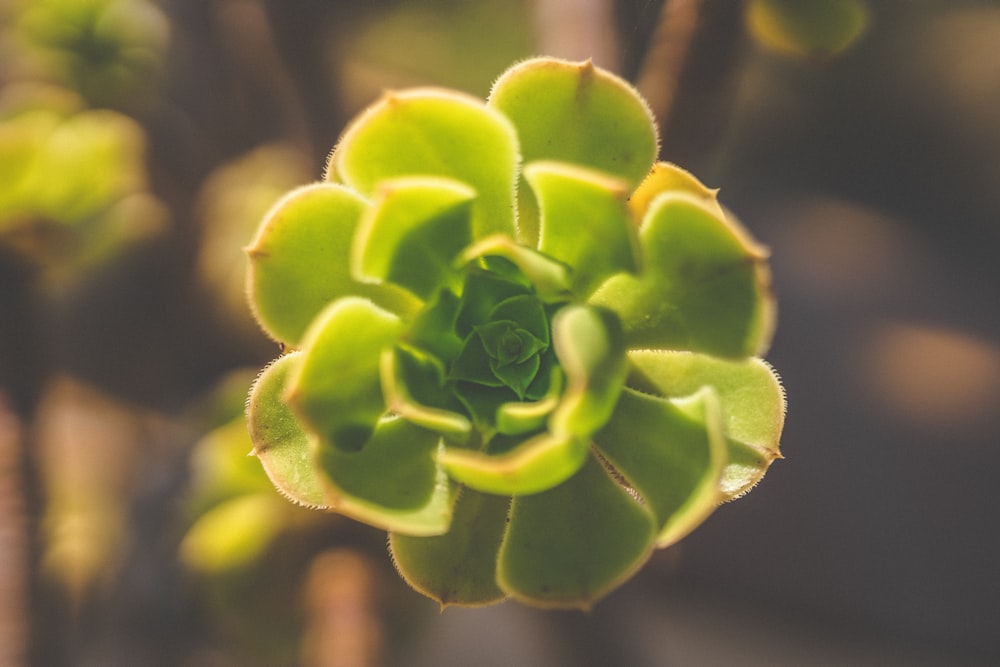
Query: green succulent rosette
{"x": 512, "y": 340}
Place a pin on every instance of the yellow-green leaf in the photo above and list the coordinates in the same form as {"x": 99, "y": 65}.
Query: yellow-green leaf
{"x": 300, "y": 261}
{"x": 705, "y": 285}
{"x": 459, "y": 567}
{"x": 279, "y": 441}
{"x": 584, "y": 223}
{"x": 434, "y": 132}
{"x": 335, "y": 389}
{"x": 672, "y": 452}
{"x": 393, "y": 482}
{"x": 412, "y": 234}
{"x": 571, "y": 545}
{"x": 751, "y": 400}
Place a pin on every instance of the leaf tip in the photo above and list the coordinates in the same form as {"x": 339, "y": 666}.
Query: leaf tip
{"x": 254, "y": 251}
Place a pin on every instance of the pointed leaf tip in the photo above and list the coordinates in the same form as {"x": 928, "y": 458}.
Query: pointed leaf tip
{"x": 578, "y": 113}
{"x": 435, "y": 132}
{"x": 751, "y": 401}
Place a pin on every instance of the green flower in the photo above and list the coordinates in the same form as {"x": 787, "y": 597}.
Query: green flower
{"x": 513, "y": 341}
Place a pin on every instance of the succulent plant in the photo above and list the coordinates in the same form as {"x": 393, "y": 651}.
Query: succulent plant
{"x": 109, "y": 51}
{"x": 512, "y": 340}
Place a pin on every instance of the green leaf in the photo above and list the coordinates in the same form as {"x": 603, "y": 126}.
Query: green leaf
{"x": 527, "y": 311}
{"x": 548, "y": 372}
{"x": 335, "y": 389}
{"x": 751, "y": 400}
{"x": 412, "y": 234}
{"x": 300, "y": 258}
{"x": 577, "y": 113}
{"x": 483, "y": 291}
{"x": 519, "y": 417}
{"x": 705, "y": 284}
{"x": 392, "y": 483}
{"x": 588, "y": 342}
{"x": 279, "y": 441}
{"x": 513, "y": 353}
{"x": 667, "y": 177}
{"x": 474, "y": 364}
{"x": 585, "y": 223}
{"x": 574, "y": 543}
{"x": 431, "y": 132}
{"x": 672, "y": 452}
{"x": 482, "y": 401}
{"x": 433, "y": 329}
{"x": 539, "y": 463}
{"x": 550, "y": 278}
{"x": 459, "y": 567}
{"x": 406, "y": 375}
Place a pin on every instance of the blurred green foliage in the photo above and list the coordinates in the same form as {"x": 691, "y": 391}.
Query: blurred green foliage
{"x": 73, "y": 184}
{"x": 74, "y": 188}
{"x": 816, "y": 29}
{"x": 110, "y": 51}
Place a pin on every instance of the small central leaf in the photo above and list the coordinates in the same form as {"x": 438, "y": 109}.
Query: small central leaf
{"x": 510, "y": 347}
{"x": 482, "y": 292}
{"x": 508, "y": 343}
{"x": 528, "y": 312}
{"x": 505, "y": 328}
{"x": 473, "y": 364}
{"x": 513, "y": 353}
{"x": 518, "y": 376}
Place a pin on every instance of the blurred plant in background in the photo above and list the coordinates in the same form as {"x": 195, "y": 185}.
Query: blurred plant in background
{"x": 110, "y": 51}
{"x": 813, "y": 29}
{"x": 97, "y": 206}
{"x": 140, "y": 140}
{"x": 74, "y": 189}
{"x": 75, "y": 197}
{"x": 241, "y": 533}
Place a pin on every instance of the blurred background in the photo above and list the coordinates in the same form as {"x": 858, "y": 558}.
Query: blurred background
{"x": 142, "y": 140}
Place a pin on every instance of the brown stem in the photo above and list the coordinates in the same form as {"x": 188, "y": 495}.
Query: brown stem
{"x": 660, "y": 76}
{"x": 343, "y": 622}
{"x": 690, "y": 79}
{"x": 14, "y": 540}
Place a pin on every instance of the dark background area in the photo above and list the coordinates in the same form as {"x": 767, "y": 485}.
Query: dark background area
{"x": 874, "y": 176}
